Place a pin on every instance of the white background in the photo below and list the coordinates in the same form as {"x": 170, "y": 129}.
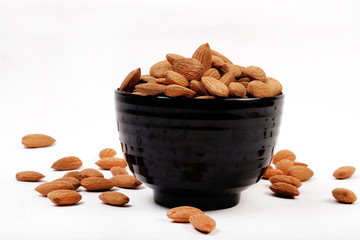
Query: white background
{"x": 60, "y": 62}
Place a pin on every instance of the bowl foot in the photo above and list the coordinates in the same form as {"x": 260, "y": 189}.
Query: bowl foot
{"x": 203, "y": 201}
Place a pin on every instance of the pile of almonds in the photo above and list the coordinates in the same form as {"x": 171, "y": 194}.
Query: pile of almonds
{"x": 206, "y": 75}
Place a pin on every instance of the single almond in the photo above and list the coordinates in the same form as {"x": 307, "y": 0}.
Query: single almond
{"x": 275, "y": 85}
{"x": 344, "y": 195}
{"x": 125, "y": 181}
{"x": 29, "y": 176}
{"x": 158, "y": 69}
{"x": 215, "y": 87}
{"x": 176, "y": 78}
{"x": 182, "y": 213}
{"x": 203, "y": 55}
{"x": 107, "y": 152}
{"x": 202, "y": 222}
{"x": 76, "y": 174}
{"x": 147, "y": 78}
{"x": 255, "y": 73}
{"x": 284, "y": 189}
{"x": 45, "y": 188}
{"x": 216, "y": 62}
{"x": 283, "y": 154}
{"x": 344, "y": 172}
{"x": 301, "y": 172}
{"x": 285, "y": 179}
{"x": 67, "y": 163}
{"x": 150, "y": 89}
{"x": 205, "y": 97}
{"x": 259, "y": 89}
{"x": 228, "y": 67}
{"x": 171, "y": 57}
{"x": 270, "y": 167}
{"x": 300, "y": 164}
{"x": 284, "y": 165}
{"x": 108, "y": 163}
{"x": 118, "y": 171}
{"x": 190, "y": 68}
{"x": 114, "y": 198}
{"x": 64, "y": 197}
{"x": 131, "y": 80}
{"x": 272, "y": 172}
{"x": 162, "y": 81}
{"x": 97, "y": 184}
{"x": 245, "y": 84}
{"x": 244, "y": 79}
{"x": 225, "y": 59}
{"x": 237, "y": 89}
{"x": 198, "y": 87}
{"x": 212, "y": 72}
{"x": 90, "y": 172}
{"x": 228, "y": 78}
{"x": 174, "y": 90}
{"x": 75, "y": 182}
{"x": 37, "y": 140}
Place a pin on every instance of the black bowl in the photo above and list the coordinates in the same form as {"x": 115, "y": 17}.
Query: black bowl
{"x": 198, "y": 152}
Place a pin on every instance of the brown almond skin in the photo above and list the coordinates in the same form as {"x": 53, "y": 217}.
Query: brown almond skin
{"x": 202, "y": 222}
{"x": 182, "y": 213}
{"x": 237, "y": 89}
{"x": 158, "y": 69}
{"x": 171, "y": 57}
{"x": 215, "y": 87}
{"x": 176, "y": 78}
{"x": 217, "y": 62}
{"x": 344, "y": 172}
{"x": 108, "y": 163}
{"x": 275, "y": 85}
{"x": 259, "y": 89}
{"x": 67, "y": 163}
{"x": 90, "y": 172}
{"x": 125, "y": 181}
{"x": 286, "y": 179}
{"x": 283, "y": 154}
{"x": 301, "y": 172}
{"x": 198, "y": 87}
{"x": 284, "y": 165}
{"x": 76, "y": 174}
{"x": 255, "y": 73}
{"x": 272, "y": 172}
{"x": 212, "y": 72}
{"x": 118, "y": 171}
{"x": 228, "y": 78}
{"x": 107, "y": 152}
{"x": 190, "y": 68}
{"x": 344, "y": 195}
{"x": 131, "y": 80}
{"x": 64, "y": 197}
{"x": 75, "y": 182}
{"x": 203, "y": 54}
{"x": 114, "y": 198}
{"x": 45, "y": 188}
{"x": 175, "y": 90}
{"x": 149, "y": 89}
{"x": 284, "y": 189}
{"x": 225, "y": 59}
{"x": 97, "y": 184}
{"x": 29, "y": 176}
{"x": 37, "y": 140}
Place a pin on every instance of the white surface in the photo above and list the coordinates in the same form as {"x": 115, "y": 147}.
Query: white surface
{"x": 61, "y": 60}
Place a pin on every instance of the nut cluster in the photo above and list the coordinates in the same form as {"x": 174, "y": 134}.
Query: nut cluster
{"x": 206, "y": 75}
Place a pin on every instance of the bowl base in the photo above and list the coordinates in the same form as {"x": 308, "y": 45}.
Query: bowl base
{"x": 211, "y": 201}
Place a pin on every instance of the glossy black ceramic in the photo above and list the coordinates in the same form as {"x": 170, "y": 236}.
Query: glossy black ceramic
{"x": 198, "y": 152}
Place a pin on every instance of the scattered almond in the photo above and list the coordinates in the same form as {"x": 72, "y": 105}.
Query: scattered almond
{"x": 202, "y": 222}
{"x": 90, "y": 172}
{"x": 97, "y": 184}
{"x": 272, "y": 172}
{"x": 118, "y": 171}
{"x": 108, "y": 163}
{"x": 76, "y": 174}
{"x": 114, "y": 198}
{"x": 344, "y": 172}
{"x": 284, "y": 165}
{"x": 75, "y": 182}
{"x": 107, "y": 152}
{"x": 29, "y": 176}
{"x": 67, "y": 163}
{"x": 45, "y": 188}
{"x": 182, "y": 213}
{"x": 64, "y": 197}
{"x": 284, "y": 189}
{"x": 344, "y": 195}
{"x": 286, "y": 179}
{"x": 125, "y": 181}
{"x": 301, "y": 172}
{"x": 283, "y": 154}
{"x": 37, "y": 140}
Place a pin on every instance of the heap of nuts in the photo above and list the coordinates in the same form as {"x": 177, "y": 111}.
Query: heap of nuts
{"x": 62, "y": 191}
{"x": 206, "y": 75}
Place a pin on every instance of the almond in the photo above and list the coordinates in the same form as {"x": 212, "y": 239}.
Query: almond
{"x": 67, "y": 163}
{"x": 244, "y": 79}
{"x": 171, "y": 57}
{"x": 176, "y": 78}
{"x": 228, "y": 67}
{"x": 203, "y": 55}
{"x": 29, "y": 176}
{"x": 216, "y": 62}
{"x": 64, "y": 197}
{"x": 272, "y": 172}
{"x": 108, "y": 163}
{"x": 45, "y": 188}
{"x": 301, "y": 172}
{"x": 76, "y": 174}
{"x": 284, "y": 165}
{"x": 158, "y": 69}
{"x": 344, "y": 172}
{"x": 125, "y": 181}
{"x": 131, "y": 80}
{"x": 284, "y": 189}
{"x": 245, "y": 84}
{"x": 174, "y": 90}
{"x": 255, "y": 73}
{"x": 90, "y": 172}
{"x": 107, "y": 152}
{"x": 150, "y": 89}
{"x": 190, "y": 68}
{"x": 275, "y": 86}
{"x": 225, "y": 59}
{"x": 202, "y": 222}
{"x": 212, "y": 72}
{"x": 162, "y": 81}
{"x": 118, "y": 171}
{"x": 283, "y": 154}
{"x": 285, "y": 179}
{"x": 182, "y": 213}
{"x": 198, "y": 87}
{"x": 259, "y": 89}
{"x": 237, "y": 89}
{"x": 300, "y": 164}
{"x": 205, "y": 97}
{"x": 147, "y": 78}
{"x": 37, "y": 140}
{"x": 97, "y": 184}
{"x": 215, "y": 87}
{"x": 75, "y": 182}
{"x": 228, "y": 78}
{"x": 344, "y": 195}
{"x": 114, "y": 198}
